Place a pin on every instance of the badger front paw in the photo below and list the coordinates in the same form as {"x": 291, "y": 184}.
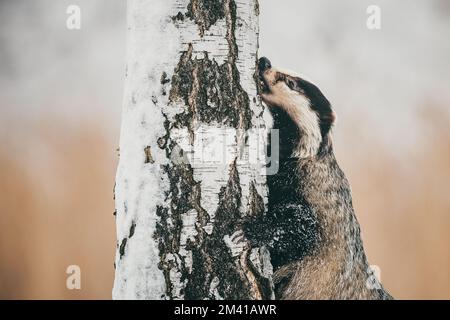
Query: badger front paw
{"x": 237, "y": 243}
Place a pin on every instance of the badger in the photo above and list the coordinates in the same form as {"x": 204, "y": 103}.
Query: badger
{"x": 310, "y": 227}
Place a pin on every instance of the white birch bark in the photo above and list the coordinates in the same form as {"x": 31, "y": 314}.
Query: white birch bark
{"x": 184, "y": 182}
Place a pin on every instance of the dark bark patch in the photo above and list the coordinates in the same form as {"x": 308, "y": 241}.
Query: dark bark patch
{"x": 162, "y": 142}
{"x": 212, "y": 258}
{"x": 211, "y": 93}
{"x": 184, "y": 195}
{"x": 132, "y": 229}
{"x": 123, "y": 244}
{"x": 163, "y": 236}
{"x": 256, "y": 203}
{"x": 229, "y": 202}
{"x": 205, "y": 13}
{"x": 148, "y": 155}
{"x": 164, "y": 79}
{"x": 257, "y": 8}
{"x": 178, "y": 17}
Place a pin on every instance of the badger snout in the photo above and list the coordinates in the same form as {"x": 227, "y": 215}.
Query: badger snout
{"x": 263, "y": 65}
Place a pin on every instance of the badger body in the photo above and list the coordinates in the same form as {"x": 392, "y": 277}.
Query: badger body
{"x": 310, "y": 227}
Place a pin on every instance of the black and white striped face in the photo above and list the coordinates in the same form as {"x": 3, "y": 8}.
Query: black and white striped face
{"x": 300, "y": 99}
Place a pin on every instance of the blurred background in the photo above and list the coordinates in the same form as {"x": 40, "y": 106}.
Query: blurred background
{"x": 60, "y": 106}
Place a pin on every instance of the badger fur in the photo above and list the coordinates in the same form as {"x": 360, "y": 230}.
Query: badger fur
{"x": 310, "y": 228}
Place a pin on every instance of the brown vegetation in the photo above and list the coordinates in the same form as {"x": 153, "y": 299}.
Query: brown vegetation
{"x": 56, "y": 210}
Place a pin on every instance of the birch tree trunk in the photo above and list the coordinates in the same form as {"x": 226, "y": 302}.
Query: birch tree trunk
{"x": 186, "y": 179}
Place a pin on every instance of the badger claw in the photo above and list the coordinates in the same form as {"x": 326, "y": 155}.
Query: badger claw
{"x": 238, "y": 236}
{"x": 237, "y": 243}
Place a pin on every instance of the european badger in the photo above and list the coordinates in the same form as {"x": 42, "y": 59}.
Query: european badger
{"x": 310, "y": 229}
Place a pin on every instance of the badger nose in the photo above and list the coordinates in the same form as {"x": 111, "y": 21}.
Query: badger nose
{"x": 264, "y": 64}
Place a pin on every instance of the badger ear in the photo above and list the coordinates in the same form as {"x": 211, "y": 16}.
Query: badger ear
{"x": 330, "y": 117}
{"x": 291, "y": 82}
{"x": 333, "y": 116}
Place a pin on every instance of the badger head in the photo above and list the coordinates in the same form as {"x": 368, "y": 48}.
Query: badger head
{"x": 303, "y": 103}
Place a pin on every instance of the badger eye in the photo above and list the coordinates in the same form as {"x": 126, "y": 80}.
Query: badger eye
{"x": 290, "y": 84}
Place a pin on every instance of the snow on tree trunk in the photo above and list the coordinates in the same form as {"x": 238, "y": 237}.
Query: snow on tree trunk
{"x": 186, "y": 179}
